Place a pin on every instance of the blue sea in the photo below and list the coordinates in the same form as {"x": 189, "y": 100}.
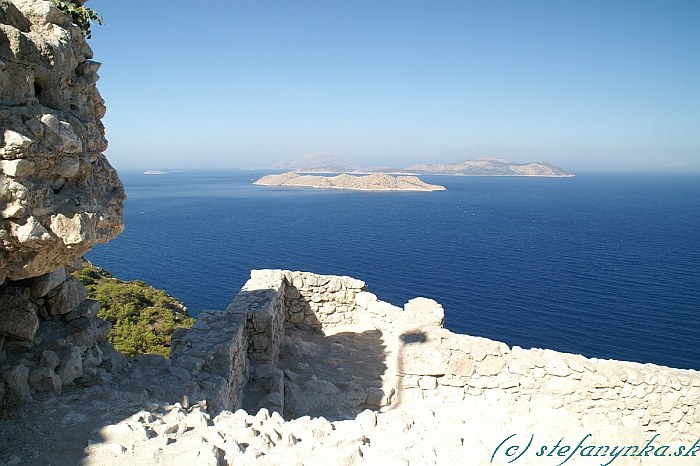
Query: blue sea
{"x": 602, "y": 264}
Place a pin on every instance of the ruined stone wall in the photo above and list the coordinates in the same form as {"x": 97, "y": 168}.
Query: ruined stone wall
{"x": 436, "y": 364}
{"x": 214, "y": 352}
{"x": 219, "y": 349}
{"x": 260, "y": 303}
{"x": 51, "y": 338}
{"x": 320, "y": 301}
{"x": 655, "y": 399}
{"x": 432, "y": 363}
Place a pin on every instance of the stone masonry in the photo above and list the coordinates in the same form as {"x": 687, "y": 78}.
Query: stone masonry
{"x": 436, "y": 366}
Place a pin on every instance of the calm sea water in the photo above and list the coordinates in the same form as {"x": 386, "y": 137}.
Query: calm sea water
{"x": 606, "y": 265}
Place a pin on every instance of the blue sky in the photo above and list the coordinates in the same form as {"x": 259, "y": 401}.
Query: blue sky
{"x": 582, "y": 84}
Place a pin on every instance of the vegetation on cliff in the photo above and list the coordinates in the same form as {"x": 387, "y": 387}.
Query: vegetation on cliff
{"x": 143, "y": 317}
{"x": 80, "y": 15}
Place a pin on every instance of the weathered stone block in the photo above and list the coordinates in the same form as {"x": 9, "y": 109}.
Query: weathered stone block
{"x": 17, "y": 318}
{"x": 49, "y": 359}
{"x": 491, "y": 365}
{"x": 557, "y": 366}
{"x": 482, "y": 382}
{"x": 363, "y": 299}
{"x": 597, "y": 380}
{"x": 561, "y": 385}
{"x": 71, "y": 365}
{"x": 17, "y": 383}
{"x": 427, "y": 383}
{"x": 461, "y": 364}
{"x": 69, "y": 296}
{"x": 424, "y": 311}
{"x": 45, "y": 379}
{"x": 416, "y": 358}
{"x": 88, "y": 308}
{"x": 82, "y": 332}
{"x": 47, "y": 282}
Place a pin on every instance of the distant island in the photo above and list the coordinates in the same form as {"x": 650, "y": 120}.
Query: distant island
{"x": 371, "y": 182}
{"x": 154, "y": 172}
{"x": 490, "y": 167}
{"x": 329, "y": 163}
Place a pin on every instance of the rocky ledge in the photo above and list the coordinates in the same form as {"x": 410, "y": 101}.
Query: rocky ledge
{"x": 58, "y": 193}
{"x": 371, "y": 182}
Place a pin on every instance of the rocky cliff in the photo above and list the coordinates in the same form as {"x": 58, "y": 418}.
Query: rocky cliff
{"x": 58, "y": 197}
{"x": 58, "y": 194}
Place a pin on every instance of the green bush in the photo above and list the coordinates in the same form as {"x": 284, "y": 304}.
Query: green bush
{"x": 80, "y": 15}
{"x": 143, "y": 318}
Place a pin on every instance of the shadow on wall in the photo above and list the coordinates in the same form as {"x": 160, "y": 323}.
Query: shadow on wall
{"x": 411, "y": 338}
{"x": 318, "y": 371}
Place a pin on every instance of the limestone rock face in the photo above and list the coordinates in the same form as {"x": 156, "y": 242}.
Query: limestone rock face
{"x": 58, "y": 194}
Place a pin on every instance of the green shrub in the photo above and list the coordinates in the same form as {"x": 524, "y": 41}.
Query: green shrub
{"x": 143, "y": 318}
{"x": 80, "y": 15}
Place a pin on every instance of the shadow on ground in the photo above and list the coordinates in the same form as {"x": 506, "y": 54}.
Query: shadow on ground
{"x": 334, "y": 375}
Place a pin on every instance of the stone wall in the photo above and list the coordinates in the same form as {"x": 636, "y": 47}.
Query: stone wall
{"x": 434, "y": 364}
{"x": 214, "y": 352}
{"x": 51, "y": 338}
{"x": 221, "y": 346}
{"x": 261, "y": 304}
{"x": 451, "y": 367}
{"x": 320, "y": 301}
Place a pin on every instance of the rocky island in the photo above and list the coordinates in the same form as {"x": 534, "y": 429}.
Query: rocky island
{"x": 480, "y": 166}
{"x": 490, "y": 167}
{"x": 371, "y": 182}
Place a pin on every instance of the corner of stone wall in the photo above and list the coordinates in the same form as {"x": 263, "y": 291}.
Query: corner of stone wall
{"x": 313, "y": 301}
{"x": 214, "y": 353}
{"x": 261, "y": 304}
{"x": 219, "y": 349}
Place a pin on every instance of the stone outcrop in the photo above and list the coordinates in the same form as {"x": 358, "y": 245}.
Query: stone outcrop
{"x": 58, "y": 197}
{"x": 58, "y": 194}
{"x": 371, "y": 182}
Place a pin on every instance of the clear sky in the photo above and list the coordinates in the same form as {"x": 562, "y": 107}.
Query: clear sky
{"x": 230, "y": 83}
